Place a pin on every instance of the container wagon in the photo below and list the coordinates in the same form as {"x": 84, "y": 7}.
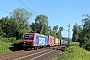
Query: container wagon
{"x": 65, "y": 43}
{"x": 51, "y": 40}
{"x": 56, "y": 41}
{"x": 59, "y": 41}
{"x": 62, "y": 42}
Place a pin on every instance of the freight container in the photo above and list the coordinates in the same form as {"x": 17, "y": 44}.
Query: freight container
{"x": 65, "y": 42}
{"x": 62, "y": 42}
{"x": 51, "y": 41}
{"x": 41, "y": 40}
{"x": 56, "y": 41}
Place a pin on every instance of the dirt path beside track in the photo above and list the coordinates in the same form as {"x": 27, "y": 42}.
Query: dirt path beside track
{"x": 55, "y": 52}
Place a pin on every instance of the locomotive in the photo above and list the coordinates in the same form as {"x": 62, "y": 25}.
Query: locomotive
{"x": 36, "y": 40}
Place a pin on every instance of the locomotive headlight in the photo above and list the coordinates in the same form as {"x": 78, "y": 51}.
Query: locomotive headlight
{"x": 24, "y": 42}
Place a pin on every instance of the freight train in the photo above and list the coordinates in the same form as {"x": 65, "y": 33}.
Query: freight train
{"x": 36, "y": 40}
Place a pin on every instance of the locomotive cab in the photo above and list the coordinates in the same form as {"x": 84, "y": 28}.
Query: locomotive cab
{"x": 28, "y": 40}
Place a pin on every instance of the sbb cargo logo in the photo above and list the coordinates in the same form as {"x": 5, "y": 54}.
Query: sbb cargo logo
{"x": 41, "y": 40}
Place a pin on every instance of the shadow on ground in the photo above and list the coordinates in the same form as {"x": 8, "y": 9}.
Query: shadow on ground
{"x": 16, "y": 46}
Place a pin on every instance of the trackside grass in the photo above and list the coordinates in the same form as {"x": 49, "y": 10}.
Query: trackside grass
{"x": 8, "y": 45}
{"x": 74, "y": 53}
{"x": 4, "y": 47}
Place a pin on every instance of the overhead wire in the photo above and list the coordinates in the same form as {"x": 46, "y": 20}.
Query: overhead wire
{"x": 4, "y": 6}
{"x": 27, "y": 7}
{"x": 5, "y": 11}
{"x": 21, "y": 3}
{"x": 32, "y": 5}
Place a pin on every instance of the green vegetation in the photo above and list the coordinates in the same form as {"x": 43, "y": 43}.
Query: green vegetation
{"x": 9, "y": 44}
{"x": 81, "y": 33}
{"x": 74, "y": 43}
{"x": 74, "y": 53}
{"x": 18, "y": 23}
{"x": 4, "y": 47}
{"x": 14, "y": 26}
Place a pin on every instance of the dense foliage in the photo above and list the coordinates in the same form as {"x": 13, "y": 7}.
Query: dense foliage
{"x": 4, "y": 47}
{"x": 13, "y": 27}
{"x": 74, "y": 53}
{"x": 82, "y": 34}
{"x": 74, "y": 43}
{"x": 17, "y": 24}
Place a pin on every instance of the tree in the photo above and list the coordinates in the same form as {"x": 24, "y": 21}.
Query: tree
{"x": 2, "y": 33}
{"x": 76, "y": 31}
{"x": 84, "y": 36}
{"x": 52, "y": 33}
{"x": 36, "y": 27}
{"x": 44, "y": 30}
{"x": 9, "y": 27}
{"x": 59, "y": 35}
{"x": 21, "y": 16}
{"x": 41, "y": 21}
{"x": 55, "y": 29}
{"x": 49, "y": 30}
{"x": 5, "y": 25}
{"x": 61, "y": 28}
{"x": 66, "y": 39}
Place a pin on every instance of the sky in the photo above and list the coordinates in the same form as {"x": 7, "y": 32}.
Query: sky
{"x": 59, "y": 12}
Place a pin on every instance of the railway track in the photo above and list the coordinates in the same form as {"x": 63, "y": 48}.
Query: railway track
{"x": 40, "y": 54}
{"x": 35, "y": 55}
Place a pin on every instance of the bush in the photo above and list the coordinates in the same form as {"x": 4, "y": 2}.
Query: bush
{"x": 12, "y": 39}
{"x": 87, "y": 47}
{"x": 74, "y": 43}
{"x": 10, "y": 44}
{"x": 74, "y": 53}
{"x": 17, "y": 45}
{"x": 4, "y": 47}
{"x": 18, "y": 41}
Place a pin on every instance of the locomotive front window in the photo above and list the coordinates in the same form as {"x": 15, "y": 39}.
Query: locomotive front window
{"x": 29, "y": 36}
